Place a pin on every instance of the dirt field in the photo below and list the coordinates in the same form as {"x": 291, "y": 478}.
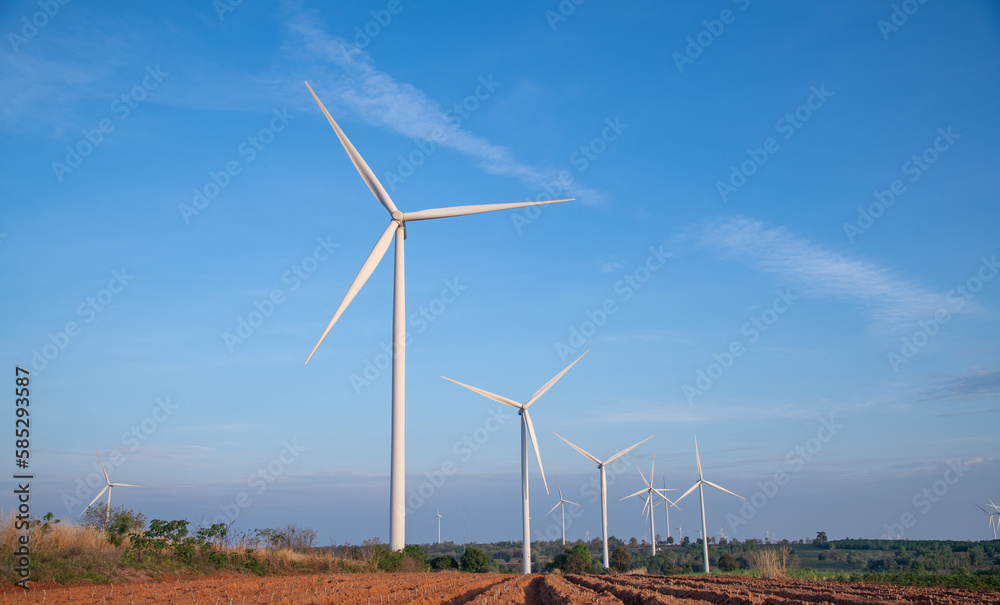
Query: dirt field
{"x": 476, "y": 589}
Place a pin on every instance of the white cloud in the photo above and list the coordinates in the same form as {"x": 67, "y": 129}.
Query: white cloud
{"x": 891, "y": 301}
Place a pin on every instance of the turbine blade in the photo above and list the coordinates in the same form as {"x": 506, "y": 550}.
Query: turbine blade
{"x": 560, "y": 490}
{"x": 724, "y": 489}
{"x": 422, "y": 215}
{"x": 627, "y": 450}
{"x": 549, "y": 384}
{"x": 106, "y": 479}
{"x": 642, "y": 491}
{"x": 366, "y": 270}
{"x": 534, "y": 444}
{"x": 553, "y": 508}
{"x": 697, "y": 457}
{"x": 571, "y": 502}
{"x": 99, "y": 494}
{"x": 359, "y": 162}
{"x": 643, "y": 476}
{"x": 493, "y": 396}
{"x": 576, "y": 448}
{"x": 123, "y": 485}
{"x": 697, "y": 483}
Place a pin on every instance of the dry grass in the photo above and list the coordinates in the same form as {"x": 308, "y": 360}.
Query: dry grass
{"x": 771, "y": 562}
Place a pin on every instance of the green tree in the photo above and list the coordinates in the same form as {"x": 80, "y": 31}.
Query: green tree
{"x": 417, "y": 556}
{"x": 475, "y": 560}
{"x": 621, "y": 561}
{"x": 444, "y": 562}
{"x": 728, "y": 563}
{"x": 820, "y": 538}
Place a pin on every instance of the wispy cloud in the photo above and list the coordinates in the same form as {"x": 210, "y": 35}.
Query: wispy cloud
{"x": 891, "y": 301}
{"x": 974, "y": 384}
{"x": 347, "y": 75}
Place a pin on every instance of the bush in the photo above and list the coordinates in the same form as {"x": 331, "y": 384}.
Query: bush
{"x": 475, "y": 560}
{"x": 728, "y": 562}
{"x": 576, "y": 560}
{"x": 621, "y": 561}
{"x": 443, "y": 563}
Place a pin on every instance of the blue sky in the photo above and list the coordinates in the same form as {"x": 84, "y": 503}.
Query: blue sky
{"x": 784, "y": 241}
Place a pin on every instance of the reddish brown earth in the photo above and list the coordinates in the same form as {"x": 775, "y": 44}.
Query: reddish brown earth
{"x": 477, "y": 589}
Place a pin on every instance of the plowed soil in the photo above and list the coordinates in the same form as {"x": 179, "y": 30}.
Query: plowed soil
{"x": 476, "y": 589}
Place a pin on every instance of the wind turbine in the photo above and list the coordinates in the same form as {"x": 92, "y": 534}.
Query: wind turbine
{"x": 604, "y": 486}
{"x": 562, "y": 502}
{"x": 649, "y": 492}
{"x": 993, "y": 524}
{"x": 438, "y": 519}
{"x": 667, "y": 507}
{"x": 700, "y": 484}
{"x": 107, "y": 488}
{"x": 527, "y": 430}
{"x": 397, "y": 226}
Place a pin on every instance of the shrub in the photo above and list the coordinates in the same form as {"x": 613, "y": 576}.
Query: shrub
{"x": 443, "y": 563}
{"x": 621, "y": 561}
{"x": 475, "y": 560}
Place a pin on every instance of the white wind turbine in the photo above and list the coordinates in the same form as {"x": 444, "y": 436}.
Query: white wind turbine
{"x": 438, "y": 519}
{"x": 604, "y": 486}
{"x": 107, "y": 488}
{"x": 527, "y": 430}
{"x": 993, "y": 524}
{"x": 562, "y": 502}
{"x": 397, "y": 226}
{"x": 700, "y": 484}
{"x": 650, "y": 492}
{"x": 667, "y": 507}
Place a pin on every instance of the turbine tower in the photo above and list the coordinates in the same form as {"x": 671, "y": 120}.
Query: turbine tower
{"x": 604, "y": 486}
{"x": 667, "y": 507}
{"x": 438, "y": 519}
{"x": 397, "y": 227}
{"x": 562, "y": 502}
{"x": 649, "y": 492}
{"x": 527, "y": 430}
{"x": 700, "y": 484}
{"x": 107, "y": 488}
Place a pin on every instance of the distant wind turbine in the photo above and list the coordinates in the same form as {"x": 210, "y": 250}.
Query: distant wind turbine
{"x": 700, "y": 484}
{"x": 604, "y": 485}
{"x": 438, "y": 519}
{"x": 650, "y": 493}
{"x": 993, "y": 523}
{"x": 107, "y": 488}
{"x": 397, "y": 226}
{"x": 667, "y": 507}
{"x": 562, "y": 502}
{"x": 527, "y": 430}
